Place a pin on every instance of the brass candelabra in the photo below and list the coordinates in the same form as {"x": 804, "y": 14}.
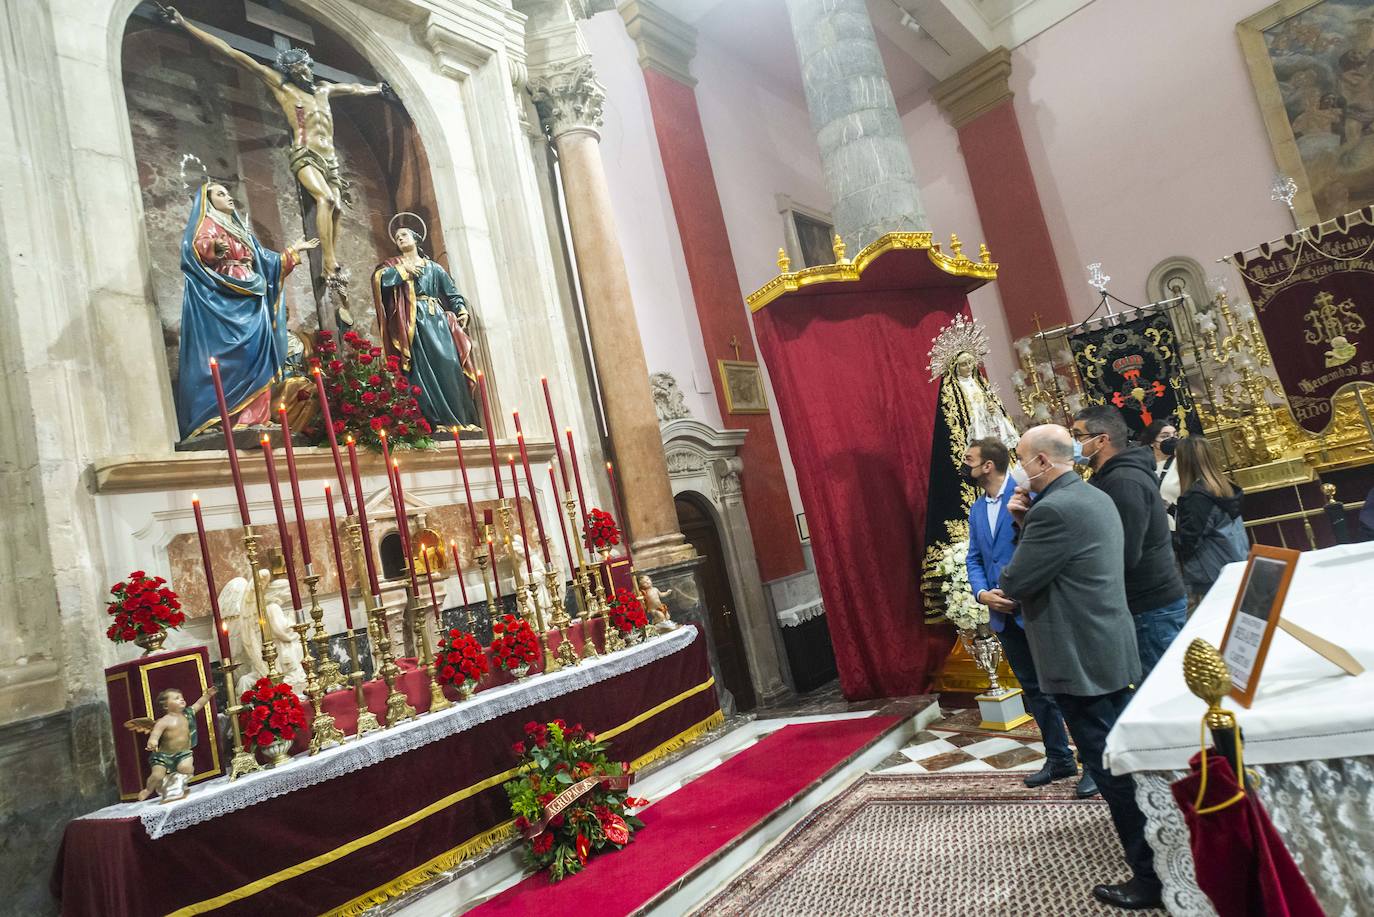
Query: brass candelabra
{"x": 328, "y": 674}
{"x": 1038, "y": 401}
{"x": 1234, "y": 357}
{"x": 367, "y": 720}
{"x": 398, "y": 710}
{"x": 551, "y": 663}
{"x": 553, "y": 588}
{"x": 323, "y": 730}
{"x": 586, "y": 598}
{"x": 612, "y": 641}
{"x": 437, "y": 700}
{"x": 242, "y": 762}
{"x": 269, "y": 645}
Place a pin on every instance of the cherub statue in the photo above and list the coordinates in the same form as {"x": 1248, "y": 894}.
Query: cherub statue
{"x": 171, "y": 739}
{"x": 654, "y": 605}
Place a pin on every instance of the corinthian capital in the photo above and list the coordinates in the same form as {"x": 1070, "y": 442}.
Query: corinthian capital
{"x": 568, "y": 97}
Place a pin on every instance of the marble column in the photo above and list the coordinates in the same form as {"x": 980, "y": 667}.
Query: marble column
{"x": 978, "y": 102}
{"x": 570, "y": 102}
{"x": 863, "y": 150}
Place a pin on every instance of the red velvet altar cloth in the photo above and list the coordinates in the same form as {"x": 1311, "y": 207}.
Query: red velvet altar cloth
{"x": 133, "y": 687}
{"x": 372, "y": 832}
{"x": 848, "y": 362}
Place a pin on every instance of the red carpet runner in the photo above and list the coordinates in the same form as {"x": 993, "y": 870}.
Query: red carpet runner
{"x": 693, "y": 823}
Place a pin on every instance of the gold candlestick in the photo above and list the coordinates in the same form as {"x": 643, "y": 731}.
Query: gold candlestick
{"x": 355, "y": 538}
{"x": 243, "y": 761}
{"x": 269, "y": 645}
{"x": 329, "y": 676}
{"x": 483, "y": 561}
{"x": 397, "y": 709}
{"x": 322, "y": 729}
{"x": 437, "y": 700}
{"x": 553, "y": 587}
{"x": 586, "y": 599}
{"x": 551, "y": 663}
{"x": 612, "y": 640}
{"x": 367, "y": 720}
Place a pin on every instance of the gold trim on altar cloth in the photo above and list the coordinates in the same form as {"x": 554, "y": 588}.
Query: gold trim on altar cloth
{"x": 446, "y": 860}
{"x": 958, "y": 265}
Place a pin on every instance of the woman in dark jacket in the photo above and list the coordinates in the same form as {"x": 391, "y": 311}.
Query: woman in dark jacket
{"x": 1210, "y": 532}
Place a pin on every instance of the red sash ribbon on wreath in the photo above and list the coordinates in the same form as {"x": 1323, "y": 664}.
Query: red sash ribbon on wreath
{"x": 618, "y": 782}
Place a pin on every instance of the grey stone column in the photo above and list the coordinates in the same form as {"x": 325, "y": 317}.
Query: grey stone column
{"x": 863, "y": 151}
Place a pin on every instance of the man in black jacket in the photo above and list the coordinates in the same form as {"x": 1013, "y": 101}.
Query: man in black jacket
{"x": 1126, "y": 473}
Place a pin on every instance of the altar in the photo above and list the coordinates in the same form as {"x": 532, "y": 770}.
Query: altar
{"x": 1309, "y": 735}
{"x": 364, "y": 821}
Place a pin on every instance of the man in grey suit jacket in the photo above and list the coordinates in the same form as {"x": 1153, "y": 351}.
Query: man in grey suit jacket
{"x": 1069, "y": 576}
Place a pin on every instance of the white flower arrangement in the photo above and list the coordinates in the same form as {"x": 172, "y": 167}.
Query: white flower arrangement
{"x": 960, "y": 606}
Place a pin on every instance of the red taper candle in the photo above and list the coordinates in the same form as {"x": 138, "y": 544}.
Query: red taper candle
{"x": 295, "y": 485}
{"x": 620, "y": 511}
{"x": 229, "y": 442}
{"x": 333, "y": 441}
{"x": 557, "y": 447}
{"x": 362, "y": 519}
{"x": 433, "y": 599}
{"x": 338, "y": 558}
{"x": 403, "y": 526}
{"x": 467, "y": 490}
{"x": 491, "y": 432}
{"x": 519, "y": 514}
{"x": 562, "y": 530}
{"x": 534, "y": 499}
{"x": 283, "y": 533}
{"x": 458, "y": 569}
{"x": 577, "y": 477}
{"x": 220, "y": 632}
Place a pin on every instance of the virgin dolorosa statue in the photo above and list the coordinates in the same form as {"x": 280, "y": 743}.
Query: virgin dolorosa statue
{"x": 423, "y": 321}
{"x": 231, "y": 310}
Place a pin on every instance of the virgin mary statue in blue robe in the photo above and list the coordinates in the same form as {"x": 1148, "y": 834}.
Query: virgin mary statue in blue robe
{"x": 232, "y": 310}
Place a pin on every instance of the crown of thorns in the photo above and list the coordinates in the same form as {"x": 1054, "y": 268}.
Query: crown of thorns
{"x": 292, "y": 56}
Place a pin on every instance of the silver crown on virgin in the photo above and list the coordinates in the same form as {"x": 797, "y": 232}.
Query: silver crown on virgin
{"x": 962, "y": 335}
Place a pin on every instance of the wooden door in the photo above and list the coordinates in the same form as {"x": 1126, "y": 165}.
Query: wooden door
{"x": 699, "y": 528}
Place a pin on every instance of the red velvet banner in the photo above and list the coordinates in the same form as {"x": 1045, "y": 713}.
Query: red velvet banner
{"x": 847, "y": 361}
{"x": 1312, "y": 303}
{"x": 371, "y": 833}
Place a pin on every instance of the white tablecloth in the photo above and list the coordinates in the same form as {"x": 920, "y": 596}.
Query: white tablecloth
{"x": 1306, "y": 708}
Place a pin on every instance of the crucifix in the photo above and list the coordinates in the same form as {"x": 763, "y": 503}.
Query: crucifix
{"x": 305, "y": 102}
{"x": 734, "y": 343}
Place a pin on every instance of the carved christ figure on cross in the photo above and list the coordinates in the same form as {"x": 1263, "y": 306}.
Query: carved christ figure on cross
{"x": 305, "y": 103}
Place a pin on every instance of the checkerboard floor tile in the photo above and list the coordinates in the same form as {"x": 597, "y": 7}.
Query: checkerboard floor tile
{"x": 934, "y": 750}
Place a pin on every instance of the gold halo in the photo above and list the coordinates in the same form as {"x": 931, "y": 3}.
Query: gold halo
{"x": 424, "y": 229}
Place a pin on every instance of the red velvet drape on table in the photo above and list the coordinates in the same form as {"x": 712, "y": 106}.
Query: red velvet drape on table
{"x": 848, "y": 364}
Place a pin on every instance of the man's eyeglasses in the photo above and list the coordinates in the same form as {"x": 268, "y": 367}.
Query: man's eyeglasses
{"x": 1083, "y": 436}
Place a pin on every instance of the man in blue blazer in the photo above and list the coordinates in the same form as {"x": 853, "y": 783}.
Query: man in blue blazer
{"x": 991, "y": 542}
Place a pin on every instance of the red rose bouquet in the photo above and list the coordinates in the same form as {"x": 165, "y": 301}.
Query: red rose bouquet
{"x": 142, "y": 606}
{"x": 626, "y": 612}
{"x": 514, "y": 644}
{"x": 460, "y": 661}
{"x": 570, "y": 800}
{"x": 368, "y": 393}
{"x": 600, "y": 530}
{"x": 270, "y": 712}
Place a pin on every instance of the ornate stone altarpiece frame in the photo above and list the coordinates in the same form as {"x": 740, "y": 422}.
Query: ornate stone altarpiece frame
{"x": 742, "y": 383}
{"x": 1318, "y": 197}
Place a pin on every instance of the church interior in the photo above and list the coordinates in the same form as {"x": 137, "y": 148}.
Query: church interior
{"x": 945, "y": 525}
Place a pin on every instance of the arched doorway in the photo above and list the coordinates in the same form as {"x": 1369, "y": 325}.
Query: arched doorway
{"x": 699, "y": 528}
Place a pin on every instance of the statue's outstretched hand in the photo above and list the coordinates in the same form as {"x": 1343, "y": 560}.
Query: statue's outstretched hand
{"x": 305, "y": 245}
{"x": 171, "y": 14}
{"x": 385, "y": 91}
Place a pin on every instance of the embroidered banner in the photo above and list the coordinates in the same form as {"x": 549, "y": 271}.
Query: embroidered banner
{"x": 1135, "y": 365}
{"x": 1313, "y": 301}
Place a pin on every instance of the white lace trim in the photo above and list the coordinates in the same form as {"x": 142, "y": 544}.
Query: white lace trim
{"x": 221, "y": 796}
{"x": 800, "y": 614}
{"x": 1323, "y": 810}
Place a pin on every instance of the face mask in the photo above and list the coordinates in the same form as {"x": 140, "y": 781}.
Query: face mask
{"x": 966, "y": 472}
{"x": 1018, "y": 474}
{"x": 1169, "y": 445}
{"x": 1078, "y": 458}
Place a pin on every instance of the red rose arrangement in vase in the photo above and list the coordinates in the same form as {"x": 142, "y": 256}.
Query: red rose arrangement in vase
{"x": 270, "y": 717}
{"x": 600, "y": 531}
{"x": 627, "y": 612}
{"x": 368, "y": 393}
{"x": 514, "y": 645}
{"x": 144, "y": 609}
{"x": 555, "y": 758}
{"x": 460, "y": 661}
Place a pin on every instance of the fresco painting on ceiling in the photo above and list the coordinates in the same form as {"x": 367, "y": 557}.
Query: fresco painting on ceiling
{"x": 1313, "y": 72}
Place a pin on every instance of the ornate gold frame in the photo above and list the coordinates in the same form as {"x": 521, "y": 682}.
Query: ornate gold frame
{"x": 1250, "y": 31}
{"x": 726, "y": 367}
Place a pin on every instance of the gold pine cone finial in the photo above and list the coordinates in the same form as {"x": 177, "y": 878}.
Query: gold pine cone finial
{"x": 984, "y": 255}
{"x": 784, "y": 262}
{"x": 1207, "y": 676}
{"x": 839, "y": 248}
{"x": 1329, "y": 492}
{"x": 956, "y": 246}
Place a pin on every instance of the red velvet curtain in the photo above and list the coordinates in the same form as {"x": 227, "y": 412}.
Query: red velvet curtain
{"x": 848, "y": 364}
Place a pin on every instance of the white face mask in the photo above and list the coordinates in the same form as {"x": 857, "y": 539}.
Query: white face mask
{"x": 1018, "y": 474}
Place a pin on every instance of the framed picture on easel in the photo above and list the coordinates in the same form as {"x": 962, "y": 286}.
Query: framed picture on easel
{"x": 1258, "y": 612}
{"x": 1255, "y": 615}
